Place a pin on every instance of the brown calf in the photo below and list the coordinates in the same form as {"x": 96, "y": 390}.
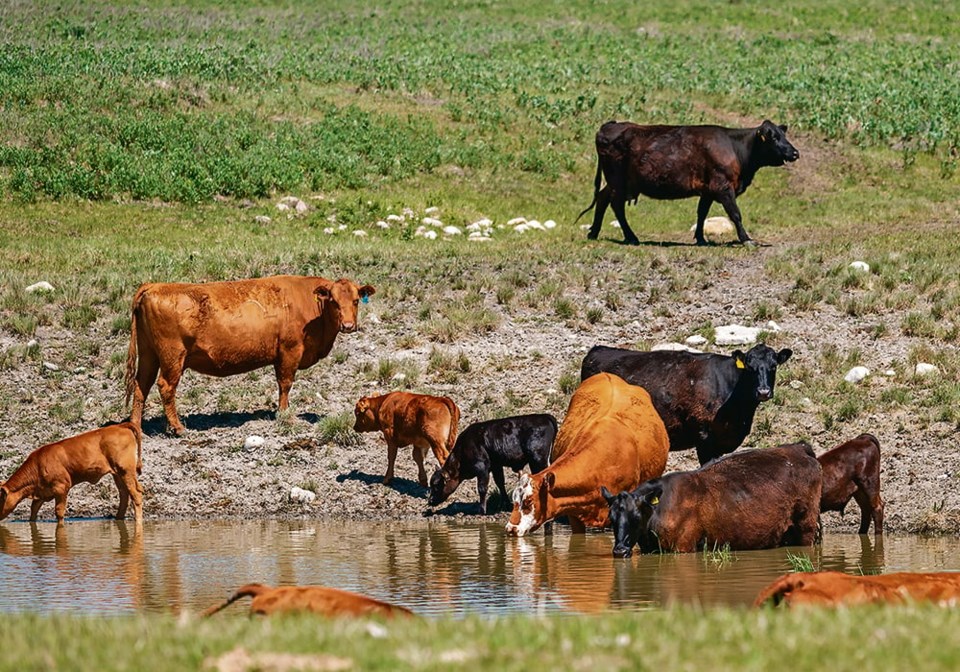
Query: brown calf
{"x": 852, "y": 470}
{"x": 420, "y": 420}
{"x": 835, "y": 589}
{"x": 315, "y": 599}
{"x": 50, "y": 471}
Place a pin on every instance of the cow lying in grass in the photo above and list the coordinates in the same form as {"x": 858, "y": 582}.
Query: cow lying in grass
{"x": 750, "y": 500}
{"x": 312, "y": 599}
{"x": 420, "y": 420}
{"x": 50, "y": 471}
{"x": 834, "y": 589}
{"x": 852, "y": 471}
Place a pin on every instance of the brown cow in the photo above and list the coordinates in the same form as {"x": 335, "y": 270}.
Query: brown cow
{"x": 314, "y": 599}
{"x": 670, "y": 162}
{"x": 421, "y": 420}
{"x": 834, "y": 589}
{"x": 51, "y": 470}
{"x": 611, "y": 431}
{"x": 852, "y": 470}
{"x": 226, "y": 328}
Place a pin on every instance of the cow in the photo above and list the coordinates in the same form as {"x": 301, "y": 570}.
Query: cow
{"x": 751, "y": 500}
{"x": 852, "y": 470}
{"x": 707, "y": 401}
{"x": 486, "y": 447}
{"x": 311, "y": 599}
{"x": 421, "y": 420}
{"x": 834, "y": 589}
{"x": 226, "y": 328}
{"x": 671, "y": 162}
{"x": 611, "y": 433}
{"x": 51, "y": 470}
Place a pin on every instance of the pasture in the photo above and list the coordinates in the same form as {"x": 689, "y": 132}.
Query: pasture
{"x": 141, "y": 144}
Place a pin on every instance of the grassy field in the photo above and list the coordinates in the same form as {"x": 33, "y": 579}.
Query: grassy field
{"x": 676, "y": 639}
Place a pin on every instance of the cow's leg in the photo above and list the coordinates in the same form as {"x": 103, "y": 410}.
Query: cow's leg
{"x": 60, "y": 497}
{"x": 877, "y": 514}
{"x": 618, "y": 209}
{"x": 167, "y": 383}
{"x": 136, "y": 495}
{"x": 124, "y": 496}
{"x": 577, "y": 526}
{"x": 286, "y": 370}
{"x": 148, "y": 367}
{"x": 35, "y": 509}
{"x": 391, "y": 457}
{"x": 483, "y": 482}
{"x": 729, "y": 202}
{"x": 703, "y": 208}
{"x": 418, "y": 454}
{"x": 706, "y": 453}
{"x": 439, "y": 449}
{"x": 603, "y": 200}
{"x": 501, "y": 484}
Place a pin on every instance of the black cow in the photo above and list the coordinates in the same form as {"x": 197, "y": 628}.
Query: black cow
{"x": 670, "y": 162}
{"x": 750, "y": 500}
{"x": 706, "y": 401}
{"x": 486, "y": 447}
{"x": 852, "y": 470}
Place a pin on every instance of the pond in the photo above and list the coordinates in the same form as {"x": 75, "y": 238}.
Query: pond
{"x": 450, "y": 568}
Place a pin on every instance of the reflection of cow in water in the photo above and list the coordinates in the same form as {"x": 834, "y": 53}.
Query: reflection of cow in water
{"x": 319, "y": 600}
{"x": 834, "y": 589}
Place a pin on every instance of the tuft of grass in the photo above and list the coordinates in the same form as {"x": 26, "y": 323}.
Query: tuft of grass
{"x": 338, "y": 430}
{"x": 800, "y": 562}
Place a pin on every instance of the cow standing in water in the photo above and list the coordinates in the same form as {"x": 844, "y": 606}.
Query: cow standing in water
{"x": 226, "y": 328}
{"x": 671, "y": 162}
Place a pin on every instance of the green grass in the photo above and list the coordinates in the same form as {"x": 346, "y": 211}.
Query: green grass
{"x": 854, "y": 639}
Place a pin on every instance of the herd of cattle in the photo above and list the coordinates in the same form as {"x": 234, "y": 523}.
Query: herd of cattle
{"x": 602, "y": 467}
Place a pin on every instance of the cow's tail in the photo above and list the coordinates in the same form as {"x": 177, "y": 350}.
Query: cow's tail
{"x": 249, "y": 590}
{"x": 871, "y": 438}
{"x": 130, "y": 379}
{"x": 454, "y": 423}
{"x": 596, "y": 191}
{"x": 138, "y": 435}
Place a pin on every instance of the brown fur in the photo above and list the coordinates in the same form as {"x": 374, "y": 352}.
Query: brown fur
{"x": 314, "y": 599}
{"x": 421, "y": 420}
{"x": 834, "y": 589}
{"x": 50, "y": 471}
{"x": 611, "y": 433}
{"x": 226, "y": 328}
{"x": 852, "y": 470}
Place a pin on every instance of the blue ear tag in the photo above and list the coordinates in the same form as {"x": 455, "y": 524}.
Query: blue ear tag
{"x": 365, "y": 298}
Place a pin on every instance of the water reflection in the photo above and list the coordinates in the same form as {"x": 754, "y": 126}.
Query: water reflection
{"x": 432, "y": 567}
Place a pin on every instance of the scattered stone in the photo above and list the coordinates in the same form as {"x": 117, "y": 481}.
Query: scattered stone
{"x": 735, "y": 334}
{"x": 50, "y": 366}
{"x": 262, "y": 219}
{"x": 292, "y": 203}
{"x": 674, "y": 346}
{"x": 717, "y": 227}
{"x": 549, "y": 224}
{"x": 359, "y": 233}
{"x": 856, "y": 374}
{"x": 517, "y": 220}
{"x": 240, "y": 660}
{"x": 395, "y": 218}
{"x": 890, "y": 373}
{"x": 615, "y": 224}
{"x": 432, "y": 210}
{"x": 430, "y": 235}
{"x": 925, "y": 369}
{"x": 342, "y": 227}
{"x": 301, "y": 495}
{"x": 373, "y": 319}
{"x": 80, "y": 369}
{"x": 860, "y": 266}
{"x": 329, "y": 231}
{"x": 253, "y": 442}
{"x": 42, "y": 286}
{"x": 771, "y": 326}
{"x": 377, "y": 631}
{"x": 696, "y": 340}
{"x": 32, "y": 343}
{"x": 432, "y": 221}
{"x": 399, "y": 376}
{"x": 452, "y": 231}
{"x": 796, "y": 384}
{"x": 521, "y": 228}
{"x": 480, "y": 239}
{"x": 534, "y": 224}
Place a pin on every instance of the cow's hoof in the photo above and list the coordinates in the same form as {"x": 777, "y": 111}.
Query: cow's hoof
{"x": 631, "y": 241}
{"x": 749, "y": 242}
{"x": 176, "y": 431}
{"x": 592, "y": 236}
{"x": 386, "y": 480}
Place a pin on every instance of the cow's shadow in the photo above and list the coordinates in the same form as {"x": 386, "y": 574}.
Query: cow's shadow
{"x": 202, "y": 421}
{"x": 402, "y": 485}
{"x": 678, "y": 243}
{"x": 468, "y": 509}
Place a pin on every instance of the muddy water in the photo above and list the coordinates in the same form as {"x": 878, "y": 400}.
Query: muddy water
{"x": 434, "y": 568}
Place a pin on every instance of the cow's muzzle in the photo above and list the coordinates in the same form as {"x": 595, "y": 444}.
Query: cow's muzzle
{"x": 622, "y": 552}
{"x": 793, "y": 156}
{"x": 348, "y": 327}
{"x": 764, "y": 394}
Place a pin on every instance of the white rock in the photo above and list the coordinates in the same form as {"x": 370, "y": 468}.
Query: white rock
{"x": 430, "y": 235}
{"x": 42, "y": 286}
{"x": 432, "y": 210}
{"x": 407, "y": 212}
{"x": 377, "y": 631}
{"x": 551, "y": 390}
{"x": 717, "y": 227}
{"x": 301, "y": 495}
{"x": 420, "y": 231}
{"x": 924, "y": 369}
{"x": 674, "y": 346}
{"x": 517, "y": 220}
{"x": 452, "y": 231}
{"x": 253, "y": 442}
{"x": 615, "y": 224}
{"x": 262, "y": 219}
{"x": 549, "y": 224}
{"x": 796, "y": 384}
{"x": 342, "y": 227}
{"x": 383, "y": 225}
{"x": 282, "y": 207}
{"x": 585, "y": 226}
{"x": 400, "y": 375}
{"x": 50, "y": 366}
{"x": 696, "y": 340}
{"x": 735, "y": 334}
{"x": 394, "y": 218}
{"x": 890, "y": 373}
{"x": 771, "y": 326}
{"x": 373, "y": 319}
{"x": 32, "y": 343}
{"x": 360, "y": 233}
{"x": 521, "y": 228}
{"x": 292, "y": 203}
{"x": 860, "y": 266}
{"x": 431, "y": 221}
{"x": 856, "y": 374}
{"x": 534, "y": 224}
{"x": 329, "y": 231}
{"x": 480, "y": 239}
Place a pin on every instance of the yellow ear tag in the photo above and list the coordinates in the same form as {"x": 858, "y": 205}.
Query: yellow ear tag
{"x": 740, "y": 364}
{"x": 654, "y": 501}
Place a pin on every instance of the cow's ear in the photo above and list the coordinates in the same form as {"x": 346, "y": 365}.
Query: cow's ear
{"x": 322, "y": 293}
{"x": 738, "y": 359}
{"x": 549, "y": 480}
{"x": 784, "y": 355}
{"x": 607, "y": 495}
{"x": 783, "y": 127}
{"x": 761, "y": 135}
{"x": 366, "y": 290}
{"x": 362, "y": 405}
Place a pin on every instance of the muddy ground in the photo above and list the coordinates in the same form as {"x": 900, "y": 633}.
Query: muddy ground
{"x": 514, "y": 369}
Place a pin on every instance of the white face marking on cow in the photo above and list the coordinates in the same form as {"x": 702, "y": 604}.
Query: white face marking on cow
{"x": 523, "y": 500}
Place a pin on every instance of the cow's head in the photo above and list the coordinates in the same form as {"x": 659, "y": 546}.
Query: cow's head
{"x": 6, "y": 500}
{"x": 442, "y": 484}
{"x": 759, "y": 368}
{"x": 630, "y": 514}
{"x": 340, "y": 301}
{"x": 772, "y": 144}
{"x": 366, "y": 416}
{"x": 530, "y": 503}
